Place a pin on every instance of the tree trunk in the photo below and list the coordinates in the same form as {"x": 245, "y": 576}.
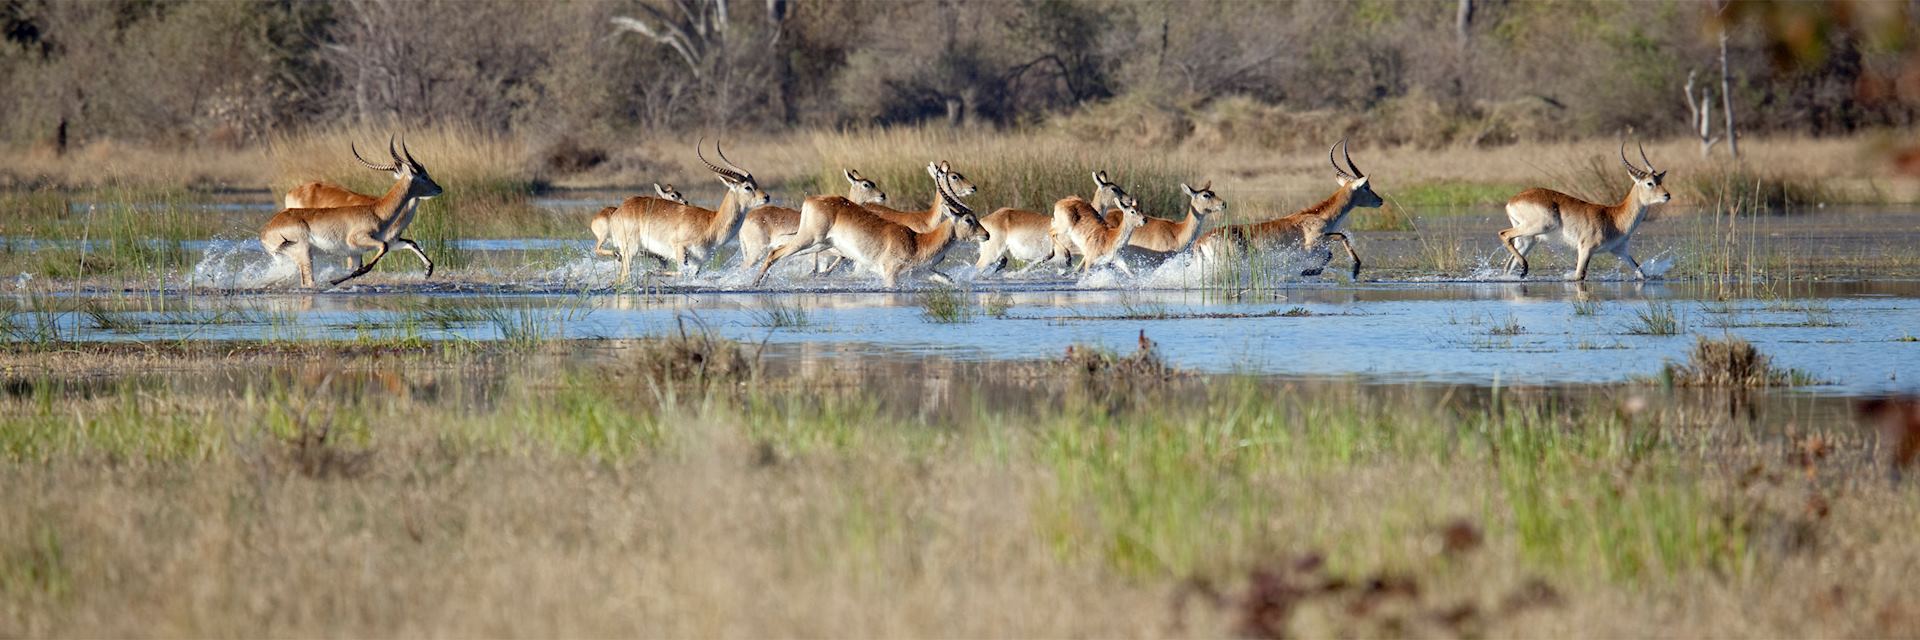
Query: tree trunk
{"x": 1726, "y": 96}
{"x": 1462, "y": 19}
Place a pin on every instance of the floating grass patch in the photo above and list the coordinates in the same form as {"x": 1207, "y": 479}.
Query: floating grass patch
{"x": 997, "y": 305}
{"x": 945, "y": 305}
{"x": 1510, "y": 327}
{"x": 1730, "y": 362}
{"x": 1587, "y": 307}
{"x": 1657, "y": 319}
{"x": 776, "y": 315}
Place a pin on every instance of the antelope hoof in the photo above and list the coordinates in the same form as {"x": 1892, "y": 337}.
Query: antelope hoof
{"x": 1576, "y": 277}
{"x": 1356, "y": 272}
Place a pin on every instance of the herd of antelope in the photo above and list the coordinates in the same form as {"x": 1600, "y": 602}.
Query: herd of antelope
{"x": 860, "y": 228}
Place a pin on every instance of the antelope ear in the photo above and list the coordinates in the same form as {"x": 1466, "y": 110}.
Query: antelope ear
{"x": 1359, "y": 182}
{"x": 1659, "y": 177}
{"x": 946, "y": 167}
{"x": 1207, "y": 187}
{"x": 1188, "y": 190}
{"x": 852, "y": 176}
{"x": 933, "y": 169}
{"x": 1100, "y": 178}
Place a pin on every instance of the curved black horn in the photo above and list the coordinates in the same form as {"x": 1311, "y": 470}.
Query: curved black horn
{"x": 391, "y": 152}
{"x": 743, "y": 174}
{"x": 408, "y": 153}
{"x": 954, "y": 204}
{"x": 710, "y": 166}
{"x": 365, "y": 161}
{"x": 1643, "y": 158}
{"x": 1631, "y": 170}
{"x": 1347, "y": 152}
{"x": 1336, "y": 165}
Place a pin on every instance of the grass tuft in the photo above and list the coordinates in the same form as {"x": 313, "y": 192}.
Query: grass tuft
{"x": 945, "y": 305}
{"x": 1730, "y": 362}
{"x": 1658, "y": 319}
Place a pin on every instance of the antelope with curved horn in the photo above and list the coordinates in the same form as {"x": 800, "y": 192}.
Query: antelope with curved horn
{"x": 1307, "y": 228}
{"x": 682, "y": 235}
{"x": 923, "y": 221}
{"x": 766, "y": 223}
{"x": 875, "y": 243}
{"x": 598, "y": 224}
{"x": 1585, "y": 226}
{"x": 297, "y": 233}
{"x": 1074, "y": 214}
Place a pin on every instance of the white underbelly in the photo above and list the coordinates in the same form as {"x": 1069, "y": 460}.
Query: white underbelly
{"x": 1030, "y": 246}
{"x": 327, "y": 244}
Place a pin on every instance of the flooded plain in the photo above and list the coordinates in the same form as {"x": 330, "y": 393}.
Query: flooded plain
{"x": 1831, "y": 293}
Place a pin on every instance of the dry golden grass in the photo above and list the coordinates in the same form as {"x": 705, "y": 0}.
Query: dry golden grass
{"x": 1289, "y": 175}
{"x": 590, "y": 503}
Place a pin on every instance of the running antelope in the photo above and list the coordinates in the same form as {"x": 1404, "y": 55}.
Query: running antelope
{"x": 1015, "y": 233}
{"x": 598, "y": 224}
{"x": 873, "y": 242}
{"x": 1099, "y": 244}
{"x": 1585, "y": 226}
{"x": 1163, "y": 238}
{"x": 1074, "y": 214}
{"x": 1307, "y": 228}
{"x": 297, "y": 233}
{"x": 682, "y": 235}
{"x": 923, "y": 221}
{"x": 766, "y": 223}
{"x": 326, "y": 195}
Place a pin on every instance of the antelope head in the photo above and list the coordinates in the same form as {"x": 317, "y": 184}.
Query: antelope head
{"x": 669, "y": 193}
{"x": 966, "y": 225}
{"x": 1203, "y": 200}
{"x": 862, "y": 190}
{"x": 1130, "y": 216}
{"x": 1106, "y": 194}
{"x": 1647, "y": 183}
{"x": 419, "y": 184}
{"x": 956, "y": 183}
{"x": 739, "y": 183}
{"x": 1351, "y": 179}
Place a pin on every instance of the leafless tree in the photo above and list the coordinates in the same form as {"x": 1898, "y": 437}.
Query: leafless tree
{"x": 1726, "y": 82}
{"x": 1700, "y": 114}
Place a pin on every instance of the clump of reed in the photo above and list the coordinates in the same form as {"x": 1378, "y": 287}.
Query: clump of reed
{"x": 1658, "y": 319}
{"x": 698, "y": 357}
{"x": 1729, "y": 362}
{"x": 775, "y": 315}
{"x": 1096, "y": 364}
{"x": 1741, "y": 189}
{"x": 945, "y": 305}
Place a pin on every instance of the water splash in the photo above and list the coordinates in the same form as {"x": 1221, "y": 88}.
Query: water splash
{"x": 242, "y": 264}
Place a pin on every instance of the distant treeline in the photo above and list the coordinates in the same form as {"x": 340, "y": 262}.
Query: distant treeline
{"x": 1480, "y": 72}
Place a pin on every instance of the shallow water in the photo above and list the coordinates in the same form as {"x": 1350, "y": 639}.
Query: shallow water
{"x": 1465, "y": 322}
{"x": 1857, "y": 337}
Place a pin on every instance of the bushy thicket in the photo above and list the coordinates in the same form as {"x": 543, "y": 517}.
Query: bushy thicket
{"x": 230, "y": 72}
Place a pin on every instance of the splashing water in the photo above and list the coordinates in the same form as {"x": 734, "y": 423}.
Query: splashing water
{"x": 1659, "y": 265}
{"x": 242, "y": 264}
